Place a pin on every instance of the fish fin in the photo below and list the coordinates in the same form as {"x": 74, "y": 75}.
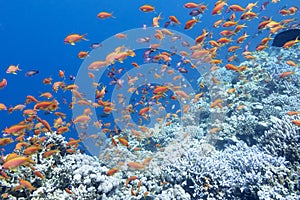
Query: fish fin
{"x": 83, "y": 37}
{"x": 18, "y": 68}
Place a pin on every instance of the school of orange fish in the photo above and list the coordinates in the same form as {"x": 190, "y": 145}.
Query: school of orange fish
{"x": 231, "y": 36}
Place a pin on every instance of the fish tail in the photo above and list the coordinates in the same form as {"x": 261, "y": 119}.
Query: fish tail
{"x": 19, "y": 68}
{"x": 83, "y": 37}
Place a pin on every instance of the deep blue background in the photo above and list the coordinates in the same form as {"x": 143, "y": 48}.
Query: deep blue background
{"x": 32, "y": 34}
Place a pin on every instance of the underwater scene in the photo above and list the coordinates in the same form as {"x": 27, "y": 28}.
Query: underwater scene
{"x": 150, "y": 100}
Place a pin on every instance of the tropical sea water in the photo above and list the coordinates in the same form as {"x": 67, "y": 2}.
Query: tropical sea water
{"x": 32, "y": 36}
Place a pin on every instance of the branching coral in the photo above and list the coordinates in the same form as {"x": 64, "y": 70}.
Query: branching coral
{"x": 235, "y": 173}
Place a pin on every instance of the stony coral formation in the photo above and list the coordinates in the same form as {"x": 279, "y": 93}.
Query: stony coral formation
{"x": 282, "y": 139}
{"x": 65, "y": 176}
{"x": 239, "y": 172}
{"x": 82, "y": 175}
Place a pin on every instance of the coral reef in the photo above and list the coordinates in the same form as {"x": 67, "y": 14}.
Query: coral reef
{"x": 239, "y": 140}
{"x": 282, "y": 139}
{"x": 65, "y": 175}
{"x": 238, "y": 172}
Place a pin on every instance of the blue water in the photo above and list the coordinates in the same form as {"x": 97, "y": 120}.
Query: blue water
{"x": 32, "y": 34}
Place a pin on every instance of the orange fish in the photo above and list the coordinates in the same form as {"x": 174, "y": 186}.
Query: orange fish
{"x": 121, "y": 36}
{"x": 155, "y": 20}
{"x": 49, "y": 153}
{"x": 15, "y": 129}
{"x": 284, "y": 12}
{"x": 25, "y": 184}
{"x": 3, "y": 106}
{"x": 233, "y": 48}
{"x": 239, "y": 27}
{"x": 73, "y": 142}
{"x": 108, "y": 109}
{"x": 13, "y": 69}
{"x": 285, "y": 74}
{"x": 123, "y": 141}
{"x": 18, "y": 107}
{"x": 46, "y": 105}
{"x": 105, "y": 15}
{"x": 201, "y": 37}
{"x": 218, "y": 8}
{"x": 286, "y": 21}
{"x": 174, "y": 19}
{"x": 231, "y": 90}
{"x": 229, "y": 24}
{"x": 82, "y": 54}
{"x": 276, "y": 29}
{"x": 232, "y": 67}
{"x": 182, "y": 94}
{"x": 82, "y": 119}
{"x": 131, "y": 178}
{"x": 97, "y": 65}
{"x": 293, "y": 10}
{"x": 29, "y": 112}
{"x": 236, "y": 8}
{"x": 135, "y": 166}
{"x": 160, "y": 89}
{"x": 61, "y": 74}
{"x": 216, "y": 103}
{"x": 112, "y": 171}
{"x": 30, "y": 99}
{"x": 47, "y": 80}
{"x": 250, "y": 6}
{"x": 4, "y": 175}
{"x": 227, "y": 33}
{"x": 3, "y": 83}
{"x": 72, "y": 38}
{"x": 32, "y": 149}
{"x": 248, "y": 15}
{"x": 242, "y": 38}
{"x": 214, "y": 43}
{"x": 16, "y": 162}
{"x": 224, "y": 40}
{"x": 214, "y": 130}
{"x": 46, "y": 95}
{"x": 134, "y": 64}
{"x": 191, "y": 5}
{"x": 147, "y": 8}
{"x": 5, "y": 141}
{"x": 68, "y": 191}
{"x": 39, "y": 174}
{"x": 262, "y": 25}
{"x": 217, "y": 23}
{"x": 62, "y": 130}
{"x": 291, "y": 43}
{"x": 265, "y": 40}
{"x": 261, "y": 47}
{"x": 100, "y": 94}
{"x": 296, "y": 122}
{"x": 291, "y": 113}
{"x": 44, "y": 123}
{"x": 232, "y": 58}
{"x": 145, "y": 110}
{"x": 190, "y": 24}
{"x": 291, "y": 63}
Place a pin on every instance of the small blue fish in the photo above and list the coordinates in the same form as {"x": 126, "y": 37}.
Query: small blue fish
{"x": 31, "y": 73}
{"x": 195, "y": 12}
{"x": 96, "y": 45}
